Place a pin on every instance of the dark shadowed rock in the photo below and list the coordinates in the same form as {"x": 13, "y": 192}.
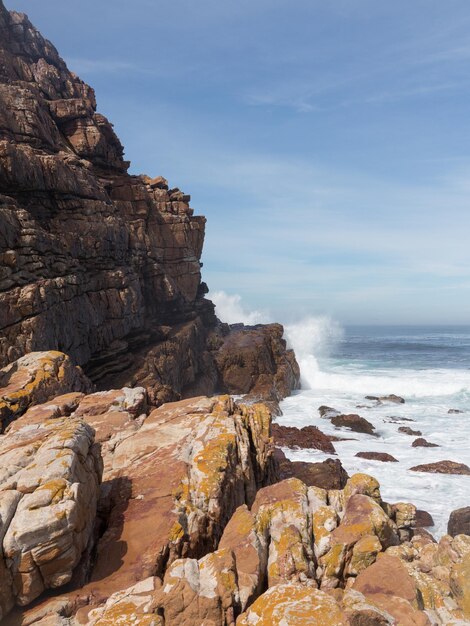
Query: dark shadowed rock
{"x": 329, "y": 474}
{"x": 254, "y": 360}
{"x": 454, "y": 411}
{"x": 443, "y": 467}
{"x": 377, "y": 456}
{"x": 354, "y": 422}
{"x": 306, "y": 437}
{"x": 423, "y": 519}
{"x": 409, "y": 431}
{"x": 422, "y": 443}
{"x": 459, "y": 522}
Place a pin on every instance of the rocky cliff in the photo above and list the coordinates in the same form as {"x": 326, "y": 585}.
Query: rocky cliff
{"x": 95, "y": 262}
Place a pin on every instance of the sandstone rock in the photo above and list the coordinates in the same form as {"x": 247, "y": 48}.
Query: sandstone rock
{"x": 460, "y": 584}
{"x": 254, "y": 360}
{"x": 409, "y": 431}
{"x": 329, "y": 474}
{"x": 354, "y": 422}
{"x": 134, "y": 605}
{"x": 36, "y": 378}
{"x": 307, "y": 437}
{"x": 362, "y": 517}
{"x": 459, "y": 522}
{"x": 443, "y": 467}
{"x": 363, "y": 484}
{"x": 173, "y": 484}
{"x": 281, "y": 512}
{"x": 377, "y": 456}
{"x": 295, "y": 605}
{"x": 388, "y": 576}
{"x": 199, "y": 592}
{"x": 49, "y": 485}
{"x": 250, "y": 551}
{"x": 422, "y": 443}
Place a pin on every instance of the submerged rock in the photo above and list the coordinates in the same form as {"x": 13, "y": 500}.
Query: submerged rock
{"x": 377, "y": 456}
{"x": 409, "y": 431}
{"x": 390, "y": 398}
{"x": 422, "y": 443}
{"x": 443, "y": 467}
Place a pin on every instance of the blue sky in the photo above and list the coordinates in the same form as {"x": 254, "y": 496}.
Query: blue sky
{"x": 328, "y": 143}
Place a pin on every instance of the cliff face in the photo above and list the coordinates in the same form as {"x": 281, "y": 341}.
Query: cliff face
{"x": 89, "y": 253}
{"x": 97, "y": 263}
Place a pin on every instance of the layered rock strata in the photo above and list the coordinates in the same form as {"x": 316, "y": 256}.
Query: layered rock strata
{"x": 100, "y": 264}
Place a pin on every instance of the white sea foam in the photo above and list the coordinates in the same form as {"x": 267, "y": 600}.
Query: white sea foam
{"x": 429, "y": 394}
{"x": 229, "y": 309}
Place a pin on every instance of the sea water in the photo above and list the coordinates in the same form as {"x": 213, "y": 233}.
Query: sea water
{"x": 428, "y": 366}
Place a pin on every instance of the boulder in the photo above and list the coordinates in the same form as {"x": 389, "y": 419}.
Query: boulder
{"x": 459, "y": 522}
{"x": 49, "y": 486}
{"x": 423, "y": 519}
{"x": 377, "y": 456}
{"x": 443, "y": 467}
{"x": 355, "y": 423}
{"x": 35, "y": 379}
{"x": 309, "y": 437}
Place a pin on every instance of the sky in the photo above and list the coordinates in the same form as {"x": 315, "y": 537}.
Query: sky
{"x": 327, "y": 143}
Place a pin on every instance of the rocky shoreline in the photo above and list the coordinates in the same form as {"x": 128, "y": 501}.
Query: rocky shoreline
{"x": 134, "y": 489}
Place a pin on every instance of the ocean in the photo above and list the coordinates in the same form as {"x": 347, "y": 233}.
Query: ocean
{"x": 429, "y": 366}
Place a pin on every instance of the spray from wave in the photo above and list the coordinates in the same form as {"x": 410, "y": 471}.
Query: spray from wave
{"x": 229, "y": 309}
{"x": 312, "y": 338}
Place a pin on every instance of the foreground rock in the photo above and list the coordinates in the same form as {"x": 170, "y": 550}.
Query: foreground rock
{"x": 34, "y": 379}
{"x": 355, "y": 423}
{"x": 443, "y": 467}
{"x": 459, "y": 522}
{"x": 50, "y": 471}
{"x": 377, "y": 456}
{"x": 309, "y": 437}
{"x": 99, "y": 263}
